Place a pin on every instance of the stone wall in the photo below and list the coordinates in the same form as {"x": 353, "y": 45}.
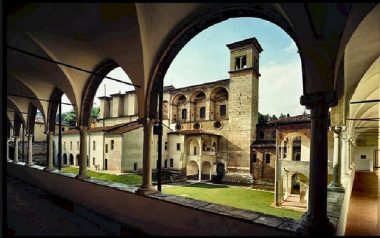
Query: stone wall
{"x": 243, "y": 179}
{"x": 39, "y": 149}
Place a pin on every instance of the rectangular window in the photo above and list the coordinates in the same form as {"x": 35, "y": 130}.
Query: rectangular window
{"x": 93, "y": 145}
{"x": 178, "y": 146}
{"x": 184, "y": 113}
{"x": 71, "y": 145}
{"x": 77, "y": 145}
{"x": 93, "y": 160}
{"x": 363, "y": 156}
{"x": 267, "y": 158}
{"x": 166, "y": 163}
{"x": 166, "y": 145}
{"x": 106, "y": 149}
{"x": 171, "y": 163}
{"x": 223, "y": 110}
{"x": 112, "y": 144}
{"x": 135, "y": 166}
{"x": 202, "y": 112}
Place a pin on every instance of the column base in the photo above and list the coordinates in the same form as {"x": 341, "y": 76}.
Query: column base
{"x": 50, "y": 169}
{"x": 15, "y": 161}
{"x": 29, "y": 164}
{"x": 82, "y": 176}
{"x": 309, "y": 227}
{"x": 335, "y": 187}
{"x": 9, "y": 160}
{"x": 146, "y": 191}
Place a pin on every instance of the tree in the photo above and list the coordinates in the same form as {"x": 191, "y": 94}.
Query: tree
{"x": 273, "y": 117}
{"x": 69, "y": 117}
{"x": 95, "y": 112}
{"x": 263, "y": 119}
{"x": 281, "y": 116}
{"x": 287, "y": 115}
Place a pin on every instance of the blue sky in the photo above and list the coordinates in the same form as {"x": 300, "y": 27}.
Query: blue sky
{"x": 206, "y": 58}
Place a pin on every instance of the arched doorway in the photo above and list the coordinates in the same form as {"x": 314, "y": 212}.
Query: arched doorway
{"x": 64, "y": 158}
{"x": 192, "y": 170}
{"x": 193, "y": 148}
{"x": 71, "y": 158}
{"x": 77, "y": 159}
{"x": 206, "y": 171}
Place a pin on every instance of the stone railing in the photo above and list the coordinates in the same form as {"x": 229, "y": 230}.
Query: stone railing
{"x": 178, "y": 215}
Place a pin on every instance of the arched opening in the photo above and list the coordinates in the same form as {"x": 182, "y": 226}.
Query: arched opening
{"x": 192, "y": 170}
{"x": 207, "y": 145}
{"x": 297, "y": 148}
{"x": 219, "y": 104}
{"x": 179, "y": 108}
{"x": 71, "y": 159}
{"x": 193, "y": 148}
{"x": 198, "y": 106}
{"x": 206, "y": 171}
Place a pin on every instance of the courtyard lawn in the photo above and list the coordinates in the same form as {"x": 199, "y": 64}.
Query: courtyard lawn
{"x": 243, "y": 198}
{"x": 130, "y": 179}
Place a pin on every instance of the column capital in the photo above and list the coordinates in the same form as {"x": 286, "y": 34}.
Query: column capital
{"x": 337, "y": 129}
{"x": 83, "y": 128}
{"x": 327, "y": 99}
{"x": 146, "y": 121}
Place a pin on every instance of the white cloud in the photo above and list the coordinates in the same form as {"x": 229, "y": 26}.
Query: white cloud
{"x": 292, "y": 47}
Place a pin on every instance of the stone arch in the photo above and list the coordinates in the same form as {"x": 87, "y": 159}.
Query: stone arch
{"x": 201, "y": 20}
{"x": 53, "y": 107}
{"x": 31, "y": 118}
{"x": 71, "y": 159}
{"x": 179, "y": 103}
{"x": 197, "y": 101}
{"x": 91, "y": 87}
{"x": 192, "y": 170}
{"x": 218, "y": 97}
{"x": 206, "y": 170}
{"x": 299, "y": 186}
{"x": 64, "y": 158}
{"x": 193, "y": 147}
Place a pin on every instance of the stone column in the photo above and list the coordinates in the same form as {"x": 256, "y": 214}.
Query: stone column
{"x": 82, "y": 153}
{"x": 188, "y": 116}
{"x": 336, "y": 184}
{"x": 8, "y": 159}
{"x": 30, "y": 151}
{"x": 199, "y": 174}
{"x": 315, "y": 220}
{"x": 50, "y": 166}
{"x": 146, "y": 186}
{"x": 15, "y": 159}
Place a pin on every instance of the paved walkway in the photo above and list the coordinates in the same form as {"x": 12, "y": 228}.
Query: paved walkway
{"x": 363, "y": 212}
{"x": 30, "y": 212}
{"x": 293, "y": 202}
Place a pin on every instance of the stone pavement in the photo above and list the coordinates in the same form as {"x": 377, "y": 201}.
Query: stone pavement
{"x": 31, "y": 211}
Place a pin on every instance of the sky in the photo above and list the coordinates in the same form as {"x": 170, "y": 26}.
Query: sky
{"x": 205, "y": 58}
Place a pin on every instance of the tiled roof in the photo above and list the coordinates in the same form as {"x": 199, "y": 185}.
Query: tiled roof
{"x": 294, "y": 119}
{"x": 125, "y": 128}
{"x": 111, "y": 129}
{"x": 264, "y": 143}
{"x": 192, "y": 132}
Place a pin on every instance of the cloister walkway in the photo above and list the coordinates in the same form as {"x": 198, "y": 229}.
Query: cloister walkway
{"x": 363, "y": 211}
{"x": 32, "y": 211}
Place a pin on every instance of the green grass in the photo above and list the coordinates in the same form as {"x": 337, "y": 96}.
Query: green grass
{"x": 130, "y": 179}
{"x": 243, "y": 198}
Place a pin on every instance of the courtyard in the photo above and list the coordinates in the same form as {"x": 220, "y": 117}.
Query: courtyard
{"x": 237, "y": 197}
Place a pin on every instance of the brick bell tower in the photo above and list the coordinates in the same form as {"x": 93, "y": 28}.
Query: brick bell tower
{"x": 243, "y": 103}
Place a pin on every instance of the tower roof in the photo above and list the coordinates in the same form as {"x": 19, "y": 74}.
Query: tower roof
{"x": 250, "y": 41}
